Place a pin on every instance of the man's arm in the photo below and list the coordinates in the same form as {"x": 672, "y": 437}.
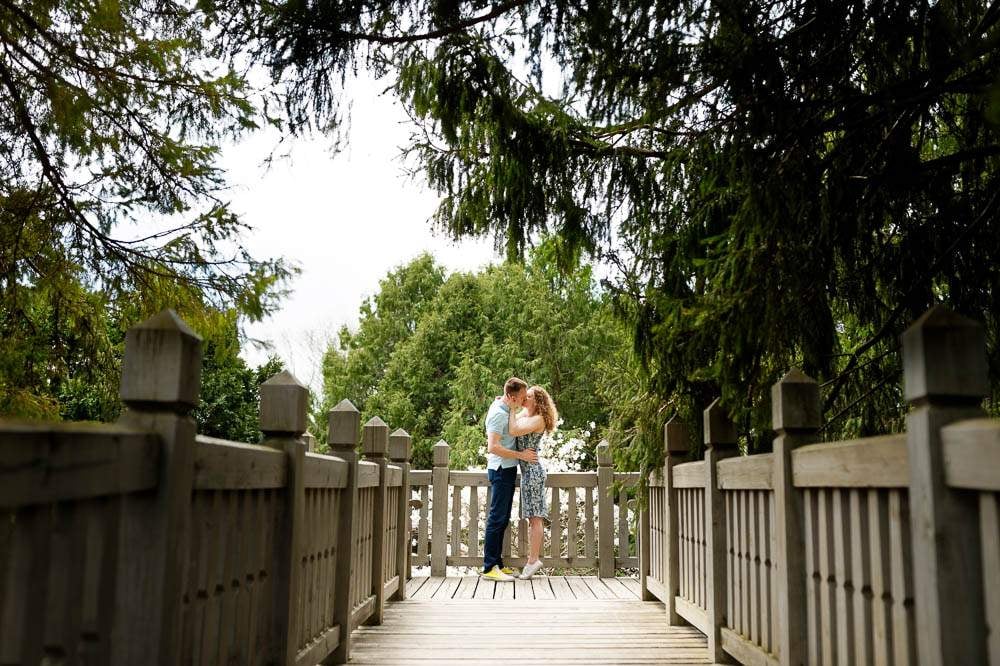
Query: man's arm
{"x": 494, "y": 446}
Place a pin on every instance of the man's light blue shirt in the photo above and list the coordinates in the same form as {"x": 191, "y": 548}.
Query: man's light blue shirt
{"x": 497, "y": 421}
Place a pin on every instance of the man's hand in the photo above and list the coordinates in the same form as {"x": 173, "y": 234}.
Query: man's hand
{"x": 529, "y": 456}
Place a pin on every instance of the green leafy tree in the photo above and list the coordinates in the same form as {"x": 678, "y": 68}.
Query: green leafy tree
{"x": 111, "y": 114}
{"x": 781, "y": 183}
{"x": 474, "y": 331}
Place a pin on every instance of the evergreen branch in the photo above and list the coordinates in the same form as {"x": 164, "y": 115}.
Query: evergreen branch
{"x": 459, "y": 26}
{"x": 886, "y": 327}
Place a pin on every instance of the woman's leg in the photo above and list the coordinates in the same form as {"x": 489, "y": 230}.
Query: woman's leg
{"x": 535, "y": 542}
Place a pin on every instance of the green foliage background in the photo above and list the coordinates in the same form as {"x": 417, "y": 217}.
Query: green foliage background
{"x": 431, "y": 351}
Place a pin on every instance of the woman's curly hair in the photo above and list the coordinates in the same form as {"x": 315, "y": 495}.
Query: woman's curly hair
{"x": 545, "y": 407}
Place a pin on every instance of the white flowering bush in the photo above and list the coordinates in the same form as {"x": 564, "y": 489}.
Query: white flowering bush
{"x": 565, "y": 450}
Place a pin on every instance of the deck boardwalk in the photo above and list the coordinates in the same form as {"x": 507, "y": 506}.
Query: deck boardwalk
{"x": 575, "y": 621}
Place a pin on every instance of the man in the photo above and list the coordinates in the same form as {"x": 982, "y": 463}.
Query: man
{"x": 501, "y": 468}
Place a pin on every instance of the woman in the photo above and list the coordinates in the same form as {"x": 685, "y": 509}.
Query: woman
{"x": 539, "y": 416}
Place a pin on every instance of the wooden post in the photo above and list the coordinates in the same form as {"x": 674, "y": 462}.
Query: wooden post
{"x": 605, "y": 513}
{"x": 643, "y": 536}
{"x": 310, "y": 441}
{"x": 161, "y": 378}
{"x": 439, "y": 509}
{"x": 400, "y": 451}
{"x": 342, "y": 438}
{"x": 795, "y": 416}
{"x": 944, "y": 370}
{"x": 675, "y": 441}
{"x": 283, "y": 419}
{"x": 375, "y": 443}
{"x": 720, "y": 443}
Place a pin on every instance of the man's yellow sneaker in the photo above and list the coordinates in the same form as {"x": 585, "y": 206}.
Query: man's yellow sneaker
{"x": 508, "y": 571}
{"x": 496, "y": 575}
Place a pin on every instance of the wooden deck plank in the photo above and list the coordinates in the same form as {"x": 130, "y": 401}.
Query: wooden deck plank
{"x": 560, "y": 588}
{"x": 577, "y": 631}
{"x": 618, "y": 590}
{"x": 415, "y": 584}
{"x": 485, "y": 589}
{"x": 447, "y": 589}
{"x": 580, "y": 589}
{"x": 540, "y": 586}
{"x": 429, "y": 588}
{"x": 466, "y": 588}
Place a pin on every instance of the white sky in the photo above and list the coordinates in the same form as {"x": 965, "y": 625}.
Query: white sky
{"x": 345, "y": 220}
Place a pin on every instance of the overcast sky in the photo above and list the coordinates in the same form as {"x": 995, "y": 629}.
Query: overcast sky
{"x": 345, "y": 220}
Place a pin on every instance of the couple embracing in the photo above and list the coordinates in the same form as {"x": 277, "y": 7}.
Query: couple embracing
{"x": 515, "y": 424}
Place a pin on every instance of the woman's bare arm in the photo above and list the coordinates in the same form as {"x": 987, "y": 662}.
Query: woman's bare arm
{"x": 522, "y": 425}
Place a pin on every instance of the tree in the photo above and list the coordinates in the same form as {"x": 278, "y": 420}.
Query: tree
{"x": 474, "y": 331}
{"x": 781, "y": 183}
{"x": 110, "y": 116}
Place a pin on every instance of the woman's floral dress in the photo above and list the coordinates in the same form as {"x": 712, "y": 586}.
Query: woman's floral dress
{"x": 532, "y": 479}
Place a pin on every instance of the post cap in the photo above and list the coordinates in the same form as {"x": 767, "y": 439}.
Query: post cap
{"x": 795, "y": 402}
{"x": 603, "y": 453}
{"x": 944, "y": 355}
{"x": 284, "y": 405}
{"x": 375, "y": 438}
{"x": 400, "y": 446}
{"x": 162, "y": 363}
{"x": 675, "y": 436}
{"x": 344, "y": 421}
{"x": 441, "y": 453}
{"x": 719, "y": 428}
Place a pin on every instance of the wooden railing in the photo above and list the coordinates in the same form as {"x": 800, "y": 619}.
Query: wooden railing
{"x": 143, "y": 543}
{"x": 883, "y": 550}
{"x": 587, "y": 529}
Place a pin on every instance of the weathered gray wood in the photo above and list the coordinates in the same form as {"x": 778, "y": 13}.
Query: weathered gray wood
{"x": 690, "y": 474}
{"x": 400, "y": 452}
{"x": 989, "y": 528}
{"x": 972, "y": 454}
{"x": 321, "y": 471}
{"x": 901, "y": 565}
{"x": 474, "y": 521}
{"x": 872, "y": 462}
{"x": 47, "y": 463}
{"x": 605, "y": 512}
{"x": 283, "y": 420}
{"x": 694, "y": 615}
{"x": 343, "y": 429}
{"x": 368, "y": 474}
{"x": 744, "y": 651}
{"x": 375, "y": 444}
{"x": 746, "y": 472}
{"x": 161, "y": 377}
{"x": 944, "y": 368}
{"x": 572, "y": 540}
{"x": 456, "y": 520}
{"x": 439, "y": 513}
{"x": 675, "y": 444}
{"x": 220, "y": 464}
{"x": 720, "y": 443}
{"x": 795, "y": 416}
{"x": 555, "y": 526}
{"x": 589, "y": 536}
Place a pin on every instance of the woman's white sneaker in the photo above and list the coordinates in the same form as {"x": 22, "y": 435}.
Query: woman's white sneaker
{"x": 530, "y": 569}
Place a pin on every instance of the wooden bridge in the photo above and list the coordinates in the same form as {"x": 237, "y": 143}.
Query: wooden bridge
{"x": 144, "y": 543}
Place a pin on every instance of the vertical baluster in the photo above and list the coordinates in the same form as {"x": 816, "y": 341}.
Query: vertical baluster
{"x": 589, "y": 543}
{"x": 456, "y": 521}
{"x": 571, "y": 539}
{"x": 555, "y": 513}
